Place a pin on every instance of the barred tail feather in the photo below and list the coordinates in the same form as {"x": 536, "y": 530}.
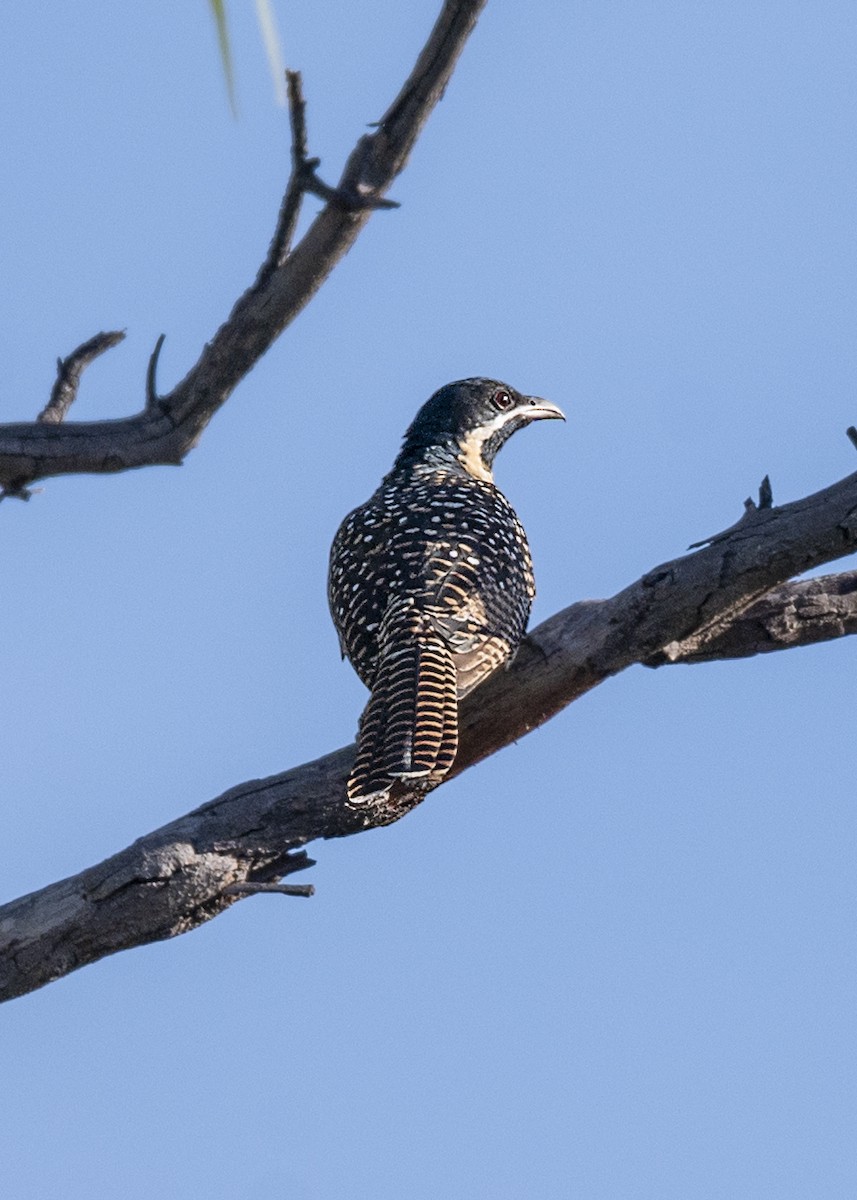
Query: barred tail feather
{"x": 409, "y": 728}
{"x": 365, "y": 779}
{"x": 435, "y": 731}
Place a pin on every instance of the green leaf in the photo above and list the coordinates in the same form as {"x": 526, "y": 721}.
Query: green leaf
{"x": 218, "y": 9}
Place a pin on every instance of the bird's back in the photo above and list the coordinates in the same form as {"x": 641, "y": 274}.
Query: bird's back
{"x": 431, "y": 582}
{"x": 430, "y": 588}
{"x": 449, "y": 544}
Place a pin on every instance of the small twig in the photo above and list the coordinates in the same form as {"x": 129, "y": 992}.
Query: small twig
{"x": 290, "y": 208}
{"x": 18, "y": 493}
{"x": 304, "y": 169}
{"x": 751, "y": 510}
{"x": 284, "y": 285}
{"x": 851, "y": 433}
{"x": 69, "y": 371}
{"x": 280, "y": 889}
{"x": 297, "y": 117}
{"x": 766, "y": 493}
{"x": 347, "y": 198}
{"x": 766, "y": 500}
{"x": 153, "y": 400}
{"x": 285, "y": 864}
{"x": 303, "y": 181}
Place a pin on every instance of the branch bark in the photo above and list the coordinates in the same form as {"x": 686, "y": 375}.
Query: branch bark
{"x": 168, "y": 427}
{"x": 796, "y": 614}
{"x": 728, "y": 599}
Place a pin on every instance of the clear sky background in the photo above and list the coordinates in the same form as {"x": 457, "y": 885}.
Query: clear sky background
{"x": 618, "y": 959}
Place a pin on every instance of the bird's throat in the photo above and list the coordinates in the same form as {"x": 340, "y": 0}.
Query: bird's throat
{"x": 471, "y": 456}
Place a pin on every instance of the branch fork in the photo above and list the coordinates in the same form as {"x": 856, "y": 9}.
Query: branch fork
{"x": 731, "y": 598}
{"x": 170, "y": 425}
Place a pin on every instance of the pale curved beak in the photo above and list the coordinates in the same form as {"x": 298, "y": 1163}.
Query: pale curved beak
{"x": 538, "y": 409}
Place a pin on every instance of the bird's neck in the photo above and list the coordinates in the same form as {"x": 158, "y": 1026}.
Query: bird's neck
{"x": 459, "y": 458}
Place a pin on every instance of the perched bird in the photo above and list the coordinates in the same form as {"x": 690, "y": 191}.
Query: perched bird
{"x": 431, "y": 582}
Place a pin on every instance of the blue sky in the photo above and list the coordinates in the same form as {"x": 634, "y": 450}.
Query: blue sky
{"x": 614, "y": 961}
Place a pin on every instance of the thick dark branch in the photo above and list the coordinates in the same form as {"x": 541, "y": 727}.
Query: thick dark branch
{"x": 796, "y": 614}
{"x": 181, "y": 875}
{"x": 286, "y": 282}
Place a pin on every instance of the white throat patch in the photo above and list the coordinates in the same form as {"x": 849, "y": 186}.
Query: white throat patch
{"x": 470, "y": 448}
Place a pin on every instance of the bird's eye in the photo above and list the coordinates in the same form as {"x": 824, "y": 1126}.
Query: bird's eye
{"x": 502, "y": 400}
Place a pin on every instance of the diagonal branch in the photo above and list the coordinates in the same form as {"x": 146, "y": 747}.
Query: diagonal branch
{"x": 186, "y": 872}
{"x": 163, "y": 433}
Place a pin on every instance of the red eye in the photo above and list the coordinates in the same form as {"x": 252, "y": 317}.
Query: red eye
{"x": 502, "y": 400}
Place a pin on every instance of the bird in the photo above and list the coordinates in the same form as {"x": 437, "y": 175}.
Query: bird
{"x": 430, "y": 583}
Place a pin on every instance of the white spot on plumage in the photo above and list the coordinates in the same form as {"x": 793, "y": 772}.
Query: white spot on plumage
{"x": 404, "y": 548}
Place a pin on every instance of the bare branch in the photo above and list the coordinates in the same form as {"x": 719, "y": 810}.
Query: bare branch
{"x": 152, "y": 399}
{"x": 186, "y": 872}
{"x": 295, "y": 862}
{"x": 303, "y": 172}
{"x": 279, "y": 889}
{"x": 751, "y": 508}
{"x": 796, "y": 614}
{"x": 69, "y": 371}
{"x": 163, "y": 433}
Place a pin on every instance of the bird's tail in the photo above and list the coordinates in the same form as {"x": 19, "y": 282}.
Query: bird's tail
{"x": 409, "y": 728}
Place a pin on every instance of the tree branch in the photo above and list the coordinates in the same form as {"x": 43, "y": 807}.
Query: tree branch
{"x": 702, "y": 605}
{"x": 69, "y": 371}
{"x": 796, "y": 614}
{"x": 163, "y": 433}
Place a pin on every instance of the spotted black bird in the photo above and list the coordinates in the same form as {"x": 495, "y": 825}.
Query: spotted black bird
{"x": 431, "y": 582}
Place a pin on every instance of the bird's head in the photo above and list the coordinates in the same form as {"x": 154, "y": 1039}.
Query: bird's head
{"x": 471, "y": 419}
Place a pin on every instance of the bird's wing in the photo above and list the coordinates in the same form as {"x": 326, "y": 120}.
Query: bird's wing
{"x": 357, "y": 583}
{"x": 479, "y": 619}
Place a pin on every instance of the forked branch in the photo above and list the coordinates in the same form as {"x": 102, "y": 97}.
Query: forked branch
{"x": 164, "y": 432}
